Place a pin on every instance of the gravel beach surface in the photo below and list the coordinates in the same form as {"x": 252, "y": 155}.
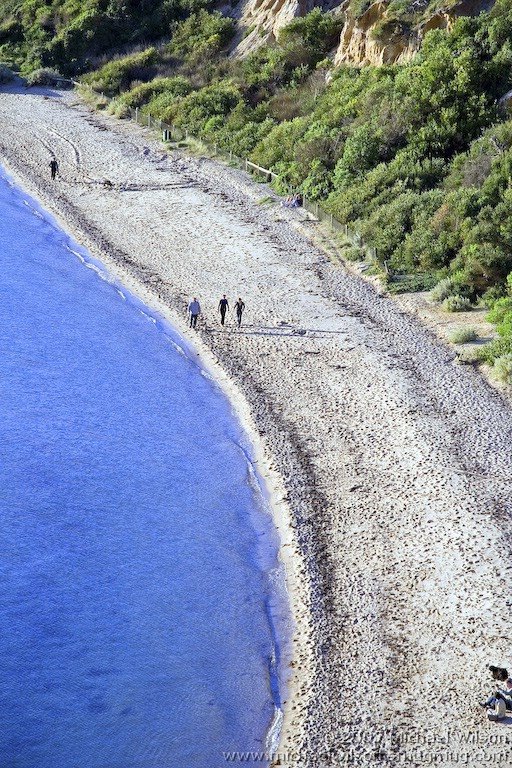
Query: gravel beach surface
{"x": 390, "y": 465}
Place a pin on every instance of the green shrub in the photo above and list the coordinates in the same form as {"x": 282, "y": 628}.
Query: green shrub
{"x": 463, "y": 335}
{"x": 489, "y": 352}
{"x": 456, "y": 304}
{"x": 358, "y": 7}
{"x": 43, "y": 76}
{"x": 353, "y": 253}
{"x": 266, "y": 67}
{"x": 116, "y": 75}
{"x": 146, "y": 92}
{"x": 195, "y": 110}
{"x": 444, "y": 288}
{"x": 307, "y": 39}
{"x": 502, "y": 368}
{"x": 119, "y": 109}
{"x": 280, "y": 143}
{"x": 469, "y": 356}
{"x": 504, "y": 327}
{"x": 414, "y": 283}
{"x": 500, "y": 309}
{"x": 492, "y": 294}
{"x": 202, "y": 36}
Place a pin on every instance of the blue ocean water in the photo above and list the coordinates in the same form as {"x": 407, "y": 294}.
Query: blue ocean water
{"x": 139, "y": 588}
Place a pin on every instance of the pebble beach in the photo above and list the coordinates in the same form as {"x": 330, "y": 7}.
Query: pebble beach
{"x": 389, "y": 465}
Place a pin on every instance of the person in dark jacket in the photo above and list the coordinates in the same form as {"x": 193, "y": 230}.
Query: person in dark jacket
{"x": 223, "y": 308}
{"x": 239, "y": 309}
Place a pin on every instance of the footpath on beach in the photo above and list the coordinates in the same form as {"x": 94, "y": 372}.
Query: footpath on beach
{"x": 395, "y": 462}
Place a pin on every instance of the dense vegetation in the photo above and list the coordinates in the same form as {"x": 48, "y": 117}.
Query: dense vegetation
{"x": 71, "y": 34}
{"x": 417, "y": 157}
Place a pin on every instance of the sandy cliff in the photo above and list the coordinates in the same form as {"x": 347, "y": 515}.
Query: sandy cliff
{"x": 377, "y": 36}
{"x": 261, "y": 20}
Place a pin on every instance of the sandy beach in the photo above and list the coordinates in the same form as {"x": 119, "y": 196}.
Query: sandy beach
{"x": 389, "y": 465}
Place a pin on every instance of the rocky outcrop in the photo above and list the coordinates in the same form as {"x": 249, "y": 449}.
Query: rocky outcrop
{"x": 261, "y": 20}
{"x": 377, "y": 37}
{"x": 373, "y": 39}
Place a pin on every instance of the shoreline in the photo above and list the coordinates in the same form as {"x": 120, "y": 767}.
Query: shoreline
{"x": 270, "y": 484}
{"x": 395, "y": 463}
{"x": 81, "y": 270}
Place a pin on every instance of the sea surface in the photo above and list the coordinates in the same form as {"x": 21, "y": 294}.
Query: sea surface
{"x": 140, "y": 598}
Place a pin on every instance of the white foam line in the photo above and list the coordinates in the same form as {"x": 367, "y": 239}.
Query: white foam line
{"x": 274, "y": 732}
{"x": 148, "y": 317}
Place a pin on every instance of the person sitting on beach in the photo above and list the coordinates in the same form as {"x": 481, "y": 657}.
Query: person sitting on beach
{"x": 500, "y": 702}
{"x": 286, "y": 203}
{"x": 194, "y": 310}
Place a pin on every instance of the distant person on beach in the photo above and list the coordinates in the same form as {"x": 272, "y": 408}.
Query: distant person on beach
{"x": 239, "y": 309}
{"x": 54, "y": 168}
{"x": 223, "y": 308}
{"x": 292, "y": 201}
{"x": 194, "y": 309}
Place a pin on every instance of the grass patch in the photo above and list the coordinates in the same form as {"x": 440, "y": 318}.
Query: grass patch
{"x": 469, "y": 356}
{"x": 397, "y": 284}
{"x": 502, "y": 368}
{"x": 463, "y": 335}
{"x": 456, "y": 304}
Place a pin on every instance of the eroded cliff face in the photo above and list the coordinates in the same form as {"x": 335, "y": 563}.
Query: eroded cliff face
{"x": 261, "y": 20}
{"x": 375, "y": 37}
{"x": 372, "y": 38}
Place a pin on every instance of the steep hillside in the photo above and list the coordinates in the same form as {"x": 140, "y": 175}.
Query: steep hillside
{"x": 71, "y": 34}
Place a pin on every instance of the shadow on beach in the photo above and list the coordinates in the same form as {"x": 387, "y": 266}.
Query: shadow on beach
{"x": 19, "y": 86}
{"x": 261, "y": 330}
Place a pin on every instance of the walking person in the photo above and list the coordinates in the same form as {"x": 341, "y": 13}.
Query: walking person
{"x": 54, "y": 168}
{"x": 223, "y": 308}
{"x": 194, "y": 309}
{"x": 239, "y": 309}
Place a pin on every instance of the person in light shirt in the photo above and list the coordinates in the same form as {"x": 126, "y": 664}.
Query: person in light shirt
{"x": 194, "y": 310}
